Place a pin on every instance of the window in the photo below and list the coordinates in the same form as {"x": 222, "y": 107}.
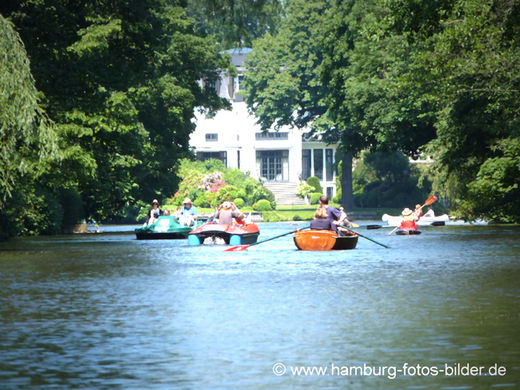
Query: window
{"x": 271, "y": 136}
{"x": 306, "y": 164}
{"x": 330, "y": 192}
{"x": 211, "y": 137}
{"x": 222, "y": 156}
{"x": 273, "y": 164}
{"x": 318, "y": 163}
{"x": 329, "y": 167}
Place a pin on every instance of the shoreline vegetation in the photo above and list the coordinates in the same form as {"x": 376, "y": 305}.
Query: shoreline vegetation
{"x": 303, "y": 212}
{"x": 98, "y": 101}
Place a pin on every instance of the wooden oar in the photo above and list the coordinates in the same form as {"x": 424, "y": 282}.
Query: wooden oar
{"x": 240, "y": 248}
{"x": 360, "y": 235}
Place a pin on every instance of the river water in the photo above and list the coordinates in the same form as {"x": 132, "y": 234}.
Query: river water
{"x": 108, "y": 311}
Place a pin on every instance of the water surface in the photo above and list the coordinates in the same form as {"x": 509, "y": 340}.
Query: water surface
{"x": 108, "y": 311}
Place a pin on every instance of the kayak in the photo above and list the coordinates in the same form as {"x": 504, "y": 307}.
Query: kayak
{"x": 323, "y": 240}
{"x": 165, "y": 228}
{"x": 407, "y": 232}
{"x": 215, "y": 233}
{"x": 424, "y": 220}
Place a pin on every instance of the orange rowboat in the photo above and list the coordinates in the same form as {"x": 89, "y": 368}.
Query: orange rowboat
{"x": 323, "y": 240}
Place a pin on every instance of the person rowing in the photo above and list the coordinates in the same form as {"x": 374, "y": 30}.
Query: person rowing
{"x": 333, "y": 214}
{"x": 408, "y": 220}
{"x": 320, "y": 221}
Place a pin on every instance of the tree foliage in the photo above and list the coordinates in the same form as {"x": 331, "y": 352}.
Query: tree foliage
{"x": 388, "y": 180}
{"x": 27, "y": 144}
{"x": 438, "y": 78}
{"x": 120, "y": 80}
{"x": 235, "y": 23}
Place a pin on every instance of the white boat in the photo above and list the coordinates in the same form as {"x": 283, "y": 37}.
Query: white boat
{"x": 423, "y": 221}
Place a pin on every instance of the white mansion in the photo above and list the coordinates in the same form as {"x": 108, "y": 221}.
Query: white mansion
{"x": 281, "y": 159}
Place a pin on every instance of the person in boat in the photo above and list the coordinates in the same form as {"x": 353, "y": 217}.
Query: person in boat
{"x": 321, "y": 220}
{"x": 333, "y": 214}
{"x": 188, "y": 214}
{"x": 418, "y": 211}
{"x": 430, "y": 213}
{"x": 226, "y": 212}
{"x": 408, "y": 220}
{"x": 166, "y": 212}
{"x": 343, "y": 220}
{"x": 154, "y": 213}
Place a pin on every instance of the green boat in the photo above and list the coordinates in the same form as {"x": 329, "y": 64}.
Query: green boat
{"x": 165, "y": 228}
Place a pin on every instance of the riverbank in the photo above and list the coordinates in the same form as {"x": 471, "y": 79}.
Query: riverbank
{"x": 301, "y": 213}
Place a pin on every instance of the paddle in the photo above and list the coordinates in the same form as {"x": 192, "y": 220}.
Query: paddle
{"x": 360, "y": 235}
{"x": 240, "y": 248}
{"x": 372, "y": 227}
{"x": 435, "y": 223}
{"x": 428, "y": 202}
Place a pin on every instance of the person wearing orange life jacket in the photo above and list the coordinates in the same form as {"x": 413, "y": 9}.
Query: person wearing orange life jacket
{"x": 408, "y": 220}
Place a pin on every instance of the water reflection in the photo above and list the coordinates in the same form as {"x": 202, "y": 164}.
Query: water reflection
{"x": 109, "y": 311}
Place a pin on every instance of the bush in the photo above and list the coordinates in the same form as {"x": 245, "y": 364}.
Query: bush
{"x": 205, "y": 199}
{"x": 263, "y": 205}
{"x": 239, "y": 202}
{"x": 337, "y": 198}
{"x": 315, "y": 197}
{"x": 296, "y": 217}
{"x": 227, "y": 194}
{"x": 261, "y": 192}
{"x": 304, "y": 190}
{"x": 315, "y": 182}
{"x": 233, "y": 176}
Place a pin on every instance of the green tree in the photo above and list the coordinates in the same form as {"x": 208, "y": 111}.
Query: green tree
{"x": 373, "y": 101}
{"x": 27, "y": 142}
{"x": 121, "y": 81}
{"x": 469, "y": 71}
{"x": 235, "y": 23}
{"x": 388, "y": 180}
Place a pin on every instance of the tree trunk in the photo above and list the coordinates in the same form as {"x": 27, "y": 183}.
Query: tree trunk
{"x": 347, "y": 198}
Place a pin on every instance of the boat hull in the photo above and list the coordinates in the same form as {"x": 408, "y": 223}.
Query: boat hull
{"x": 407, "y": 232}
{"x": 162, "y": 236}
{"x": 166, "y": 228}
{"x": 214, "y": 233}
{"x": 345, "y": 242}
{"x": 323, "y": 240}
{"x": 423, "y": 221}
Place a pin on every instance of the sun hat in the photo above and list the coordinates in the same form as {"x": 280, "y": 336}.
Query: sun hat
{"x": 187, "y": 200}
{"x": 155, "y": 201}
{"x": 226, "y": 206}
{"x": 406, "y": 212}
